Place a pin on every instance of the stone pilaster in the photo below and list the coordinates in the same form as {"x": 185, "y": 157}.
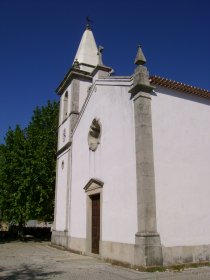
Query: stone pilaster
{"x": 74, "y": 107}
{"x": 148, "y": 249}
{"x": 68, "y": 194}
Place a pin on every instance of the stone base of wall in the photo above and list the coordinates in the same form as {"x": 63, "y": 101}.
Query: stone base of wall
{"x": 148, "y": 250}
{"x": 185, "y": 254}
{"x": 77, "y": 245}
{"x": 133, "y": 254}
{"x": 117, "y": 252}
{"x": 60, "y": 238}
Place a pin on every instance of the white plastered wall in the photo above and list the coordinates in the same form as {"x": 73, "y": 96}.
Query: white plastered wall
{"x": 63, "y": 134}
{"x": 83, "y": 91}
{"x": 181, "y": 138}
{"x": 61, "y": 192}
{"x": 113, "y": 163}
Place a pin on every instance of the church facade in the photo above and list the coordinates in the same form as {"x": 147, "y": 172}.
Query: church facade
{"x": 133, "y": 164}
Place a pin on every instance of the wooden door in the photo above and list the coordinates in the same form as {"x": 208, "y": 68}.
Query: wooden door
{"x": 95, "y": 223}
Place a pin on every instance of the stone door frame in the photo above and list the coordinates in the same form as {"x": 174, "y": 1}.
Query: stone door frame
{"x": 93, "y": 187}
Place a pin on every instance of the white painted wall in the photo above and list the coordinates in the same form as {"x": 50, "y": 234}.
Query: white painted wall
{"x": 181, "y": 135}
{"x": 113, "y": 163}
{"x": 61, "y": 193}
{"x": 83, "y": 91}
{"x": 61, "y": 139}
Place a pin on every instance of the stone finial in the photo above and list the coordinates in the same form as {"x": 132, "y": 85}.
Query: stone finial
{"x": 140, "y": 58}
{"x": 100, "y": 50}
{"x": 76, "y": 64}
{"x": 141, "y": 81}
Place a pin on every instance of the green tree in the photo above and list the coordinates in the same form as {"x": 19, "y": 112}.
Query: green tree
{"x": 42, "y": 142}
{"x": 27, "y": 168}
{"x": 13, "y": 190}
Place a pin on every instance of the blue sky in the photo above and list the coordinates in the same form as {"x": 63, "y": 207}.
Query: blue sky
{"x": 39, "y": 39}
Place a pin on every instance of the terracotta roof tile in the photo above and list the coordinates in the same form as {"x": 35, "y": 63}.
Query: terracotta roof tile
{"x": 163, "y": 82}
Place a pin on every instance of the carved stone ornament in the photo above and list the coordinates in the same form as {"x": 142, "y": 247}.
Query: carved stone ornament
{"x": 94, "y": 135}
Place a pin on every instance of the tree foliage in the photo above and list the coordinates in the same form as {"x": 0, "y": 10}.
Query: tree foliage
{"x": 27, "y": 168}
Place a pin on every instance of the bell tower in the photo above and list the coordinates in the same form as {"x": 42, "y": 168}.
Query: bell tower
{"x": 73, "y": 91}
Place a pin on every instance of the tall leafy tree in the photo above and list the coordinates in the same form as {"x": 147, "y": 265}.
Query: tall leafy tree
{"x": 27, "y": 168}
{"x": 42, "y": 142}
{"x": 13, "y": 176}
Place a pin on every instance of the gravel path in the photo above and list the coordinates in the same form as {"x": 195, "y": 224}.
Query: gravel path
{"x": 38, "y": 260}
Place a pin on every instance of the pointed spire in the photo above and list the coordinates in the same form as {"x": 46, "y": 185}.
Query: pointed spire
{"x": 87, "y": 53}
{"x": 141, "y": 82}
{"x": 140, "y": 58}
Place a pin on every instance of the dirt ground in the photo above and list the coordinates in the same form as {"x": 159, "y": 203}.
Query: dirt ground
{"x": 38, "y": 260}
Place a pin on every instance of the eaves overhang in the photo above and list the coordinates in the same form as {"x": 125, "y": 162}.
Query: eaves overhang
{"x": 181, "y": 87}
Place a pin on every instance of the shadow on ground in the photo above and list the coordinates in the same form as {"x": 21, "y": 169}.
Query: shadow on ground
{"x": 25, "y": 272}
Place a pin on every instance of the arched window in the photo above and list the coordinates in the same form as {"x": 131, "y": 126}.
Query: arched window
{"x": 65, "y": 105}
{"x": 94, "y": 135}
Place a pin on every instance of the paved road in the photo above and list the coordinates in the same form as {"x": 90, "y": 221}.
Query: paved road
{"x": 34, "y": 260}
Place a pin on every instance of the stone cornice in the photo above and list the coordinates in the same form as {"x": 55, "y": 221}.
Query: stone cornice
{"x": 65, "y": 147}
{"x": 72, "y": 74}
{"x": 71, "y": 113}
{"x": 101, "y": 67}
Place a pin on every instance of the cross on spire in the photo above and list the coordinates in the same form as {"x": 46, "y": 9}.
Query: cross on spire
{"x": 88, "y": 21}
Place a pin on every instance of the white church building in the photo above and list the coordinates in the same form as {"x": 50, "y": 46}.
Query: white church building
{"x": 133, "y": 164}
